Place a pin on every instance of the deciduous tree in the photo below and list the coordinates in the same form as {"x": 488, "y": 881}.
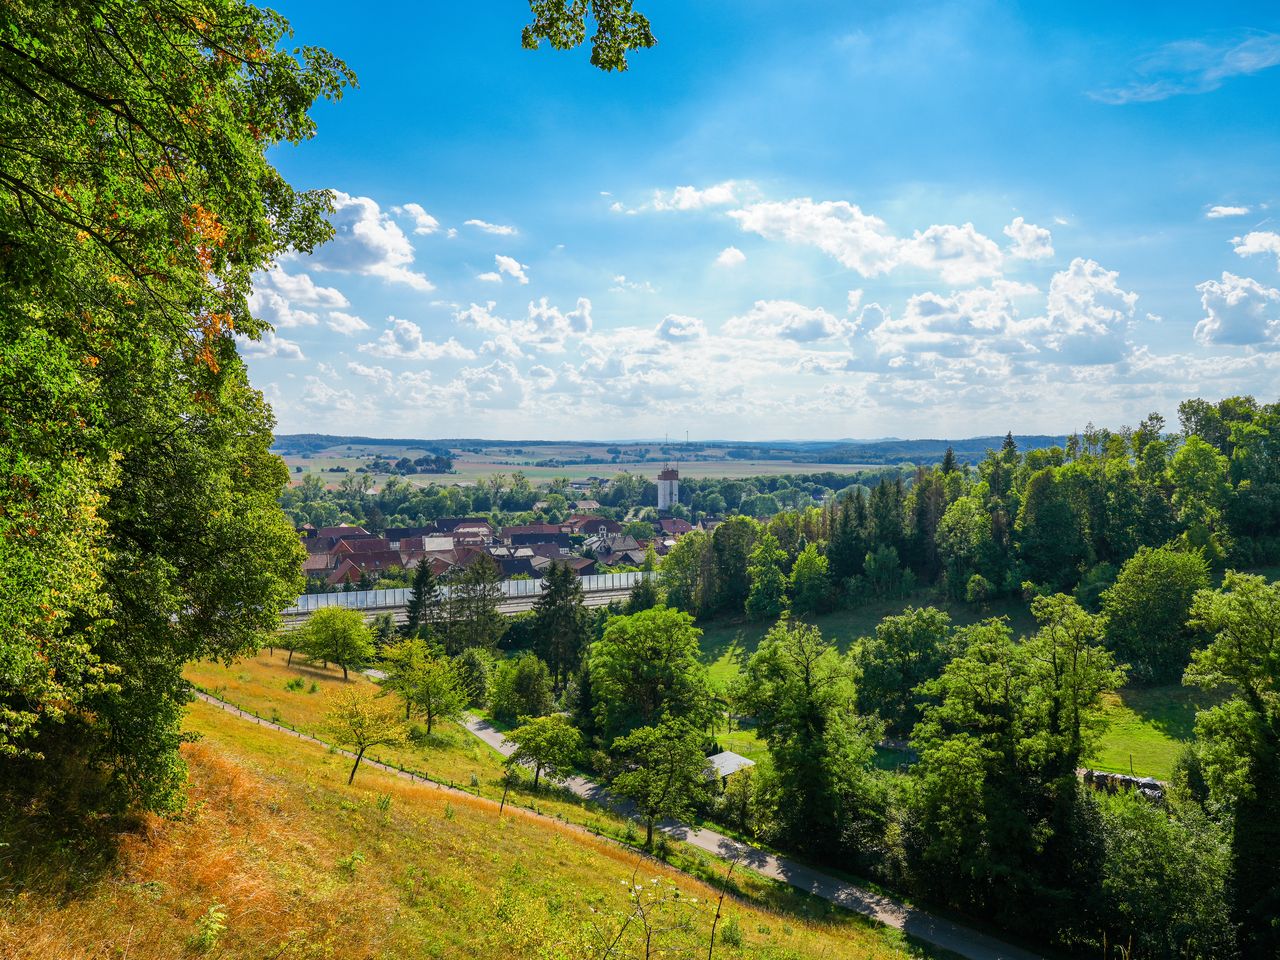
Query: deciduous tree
{"x": 358, "y": 718}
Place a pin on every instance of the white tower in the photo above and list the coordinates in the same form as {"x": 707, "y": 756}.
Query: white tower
{"x": 668, "y": 488}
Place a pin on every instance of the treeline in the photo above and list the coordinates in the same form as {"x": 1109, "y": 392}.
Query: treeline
{"x": 512, "y": 498}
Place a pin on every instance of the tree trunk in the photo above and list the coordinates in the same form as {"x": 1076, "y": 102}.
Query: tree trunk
{"x": 289, "y": 662}
{"x": 359, "y": 756}
{"x": 537, "y": 772}
{"x": 648, "y": 839}
{"x": 344, "y": 673}
{"x": 431, "y": 721}
{"x": 408, "y": 705}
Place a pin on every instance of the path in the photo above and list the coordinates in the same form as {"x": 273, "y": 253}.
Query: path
{"x": 920, "y": 924}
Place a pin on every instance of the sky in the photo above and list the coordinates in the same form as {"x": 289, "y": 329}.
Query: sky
{"x": 788, "y": 220}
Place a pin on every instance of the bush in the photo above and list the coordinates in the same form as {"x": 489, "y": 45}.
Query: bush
{"x": 520, "y": 687}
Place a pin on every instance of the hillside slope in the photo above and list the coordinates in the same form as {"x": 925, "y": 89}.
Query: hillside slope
{"x": 277, "y": 857}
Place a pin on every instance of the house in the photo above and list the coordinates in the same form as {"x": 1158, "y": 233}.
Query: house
{"x": 342, "y": 530}
{"x": 522, "y": 532}
{"x": 558, "y": 540}
{"x": 586, "y": 506}
{"x": 722, "y": 766}
{"x": 674, "y": 526}
{"x": 592, "y": 526}
{"x": 613, "y": 549}
{"x": 369, "y": 563}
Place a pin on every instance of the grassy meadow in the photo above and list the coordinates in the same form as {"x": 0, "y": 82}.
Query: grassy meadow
{"x": 275, "y": 856}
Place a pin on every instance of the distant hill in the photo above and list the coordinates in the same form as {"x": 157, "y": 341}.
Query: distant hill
{"x": 886, "y": 451}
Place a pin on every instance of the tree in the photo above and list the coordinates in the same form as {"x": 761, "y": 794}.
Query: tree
{"x": 561, "y": 624}
{"x": 548, "y": 744}
{"x": 423, "y": 607}
{"x": 473, "y": 617}
{"x": 810, "y": 584}
{"x": 520, "y": 688}
{"x": 768, "y": 597}
{"x": 359, "y": 719}
{"x": 1049, "y": 536}
{"x": 1146, "y": 612}
{"x": 906, "y": 651}
{"x": 731, "y": 547}
{"x": 338, "y": 635}
{"x": 801, "y": 692}
{"x": 403, "y": 665}
{"x": 1240, "y": 741}
{"x": 662, "y": 770}
{"x": 619, "y": 29}
{"x": 848, "y": 545}
{"x": 438, "y": 691}
{"x": 645, "y": 667}
{"x": 646, "y": 593}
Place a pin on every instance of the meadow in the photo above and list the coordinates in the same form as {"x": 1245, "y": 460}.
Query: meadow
{"x": 275, "y": 856}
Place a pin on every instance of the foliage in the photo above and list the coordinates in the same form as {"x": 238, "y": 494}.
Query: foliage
{"x": 561, "y": 623}
{"x": 768, "y": 597}
{"x": 619, "y": 29}
{"x": 906, "y": 651}
{"x": 337, "y": 635}
{"x": 472, "y": 618}
{"x": 645, "y": 667}
{"x": 550, "y": 745}
{"x": 662, "y": 770}
{"x": 520, "y": 687}
{"x": 1146, "y": 612}
{"x": 810, "y": 582}
{"x": 358, "y": 718}
{"x": 424, "y": 606}
{"x": 801, "y": 692}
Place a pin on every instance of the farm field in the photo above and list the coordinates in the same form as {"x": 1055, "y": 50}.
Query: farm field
{"x": 276, "y": 856}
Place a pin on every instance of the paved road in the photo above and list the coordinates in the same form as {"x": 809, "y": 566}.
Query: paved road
{"x": 918, "y": 923}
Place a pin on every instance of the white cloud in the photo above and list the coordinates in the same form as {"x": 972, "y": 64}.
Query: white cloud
{"x": 730, "y": 257}
{"x": 346, "y": 323}
{"x": 621, "y": 285}
{"x": 379, "y": 375}
{"x": 1088, "y": 314}
{"x": 839, "y": 229}
{"x": 959, "y": 254}
{"x": 512, "y": 268}
{"x": 1194, "y": 66}
{"x": 500, "y": 229}
{"x": 854, "y": 301}
{"x": 1029, "y": 242}
{"x": 490, "y": 276}
{"x": 299, "y": 288}
{"x": 368, "y": 242}
{"x": 403, "y": 340}
{"x": 320, "y": 394}
{"x": 677, "y": 329}
{"x": 270, "y": 346}
{"x": 787, "y": 320}
{"x": 423, "y": 222}
{"x": 1239, "y": 312}
{"x": 691, "y": 198}
{"x": 1259, "y": 241}
{"x": 1217, "y": 212}
{"x": 545, "y": 327}
{"x": 270, "y": 306}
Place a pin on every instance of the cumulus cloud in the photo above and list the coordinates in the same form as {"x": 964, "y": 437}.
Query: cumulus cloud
{"x": 621, "y": 285}
{"x": 1194, "y": 66}
{"x": 403, "y": 340}
{"x": 691, "y": 198}
{"x": 545, "y": 327}
{"x": 512, "y": 268}
{"x": 787, "y": 320}
{"x": 1088, "y": 314}
{"x": 1028, "y": 242}
{"x": 839, "y": 229}
{"x": 299, "y": 288}
{"x": 320, "y": 394}
{"x": 1239, "y": 312}
{"x": 347, "y": 324}
{"x": 965, "y": 323}
{"x": 368, "y": 242}
{"x": 268, "y": 305}
{"x": 960, "y": 254}
{"x": 1259, "y": 241}
{"x": 500, "y": 229}
{"x": 490, "y": 276}
{"x": 1217, "y": 212}
{"x": 676, "y": 328}
{"x": 423, "y": 222}
{"x": 270, "y": 346}
{"x": 379, "y": 375}
{"x": 730, "y": 257}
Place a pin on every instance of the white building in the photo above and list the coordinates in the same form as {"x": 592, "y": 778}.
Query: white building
{"x": 668, "y": 488}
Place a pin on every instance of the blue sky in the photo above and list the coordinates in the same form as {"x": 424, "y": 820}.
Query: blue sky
{"x": 787, "y": 220}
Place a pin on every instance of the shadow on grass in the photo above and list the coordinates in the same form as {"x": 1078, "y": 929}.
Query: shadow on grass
{"x": 1170, "y": 709}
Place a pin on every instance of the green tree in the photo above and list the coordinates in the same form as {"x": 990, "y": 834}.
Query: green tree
{"x": 359, "y": 719}
{"x": 550, "y": 745}
{"x": 561, "y": 624}
{"x": 438, "y": 690}
{"x": 768, "y": 597}
{"x": 424, "y": 605}
{"x": 1146, "y": 612}
{"x": 731, "y": 544}
{"x": 338, "y": 635}
{"x": 619, "y": 29}
{"x": 520, "y": 687}
{"x": 1050, "y": 541}
{"x": 801, "y": 692}
{"x": 403, "y": 664}
{"x": 662, "y": 770}
{"x": 906, "y": 651}
{"x": 810, "y": 583}
{"x": 965, "y": 547}
{"x": 1198, "y": 473}
{"x": 645, "y": 667}
{"x": 472, "y": 607}
{"x": 1240, "y": 741}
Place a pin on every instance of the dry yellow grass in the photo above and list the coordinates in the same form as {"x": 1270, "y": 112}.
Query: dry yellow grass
{"x": 304, "y": 866}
